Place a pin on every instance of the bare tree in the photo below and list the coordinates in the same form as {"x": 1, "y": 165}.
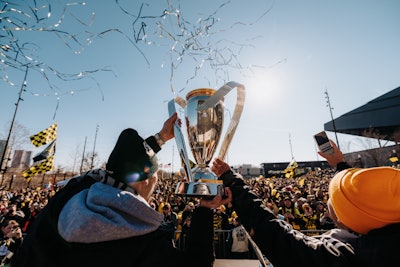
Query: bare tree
{"x": 395, "y": 136}
{"x": 19, "y": 138}
{"x": 75, "y": 155}
{"x": 89, "y": 158}
{"x": 372, "y": 147}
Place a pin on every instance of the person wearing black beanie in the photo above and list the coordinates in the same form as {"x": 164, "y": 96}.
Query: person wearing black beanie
{"x": 103, "y": 218}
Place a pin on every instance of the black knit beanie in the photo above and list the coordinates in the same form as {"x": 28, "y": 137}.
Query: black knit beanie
{"x": 130, "y": 161}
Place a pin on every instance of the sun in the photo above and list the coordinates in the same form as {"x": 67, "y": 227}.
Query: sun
{"x": 264, "y": 89}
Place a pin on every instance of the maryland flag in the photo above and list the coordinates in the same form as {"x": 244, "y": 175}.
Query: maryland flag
{"x": 45, "y": 136}
{"x": 42, "y": 167}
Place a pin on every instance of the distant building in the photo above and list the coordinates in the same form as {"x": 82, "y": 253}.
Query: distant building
{"x": 6, "y": 155}
{"x": 21, "y": 159}
{"x": 248, "y": 171}
{"x": 359, "y": 159}
{"x": 277, "y": 168}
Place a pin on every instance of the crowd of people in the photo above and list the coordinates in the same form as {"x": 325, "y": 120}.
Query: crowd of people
{"x": 18, "y": 210}
{"x": 301, "y": 201}
{"x": 100, "y": 217}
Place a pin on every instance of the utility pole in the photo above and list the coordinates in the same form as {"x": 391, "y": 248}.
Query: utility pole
{"x": 333, "y": 121}
{"x": 94, "y": 146}
{"x": 3, "y": 170}
{"x": 290, "y": 144}
{"x": 83, "y": 155}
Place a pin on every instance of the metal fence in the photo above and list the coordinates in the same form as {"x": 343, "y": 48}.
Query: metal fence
{"x": 221, "y": 245}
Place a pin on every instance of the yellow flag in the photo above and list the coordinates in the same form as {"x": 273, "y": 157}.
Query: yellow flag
{"x": 45, "y": 136}
{"x": 42, "y": 167}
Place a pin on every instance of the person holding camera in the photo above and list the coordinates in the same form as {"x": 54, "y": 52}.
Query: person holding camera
{"x": 363, "y": 203}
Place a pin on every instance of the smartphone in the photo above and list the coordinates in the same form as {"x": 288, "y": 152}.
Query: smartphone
{"x": 323, "y": 143}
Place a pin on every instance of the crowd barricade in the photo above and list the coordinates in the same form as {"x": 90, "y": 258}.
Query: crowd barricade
{"x": 221, "y": 246}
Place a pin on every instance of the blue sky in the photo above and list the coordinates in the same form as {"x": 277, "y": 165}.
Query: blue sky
{"x": 286, "y": 53}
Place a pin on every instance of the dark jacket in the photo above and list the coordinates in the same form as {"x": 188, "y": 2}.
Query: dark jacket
{"x": 43, "y": 245}
{"x": 285, "y": 247}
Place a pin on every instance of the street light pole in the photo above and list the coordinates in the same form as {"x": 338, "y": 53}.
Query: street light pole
{"x": 3, "y": 170}
{"x": 330, "y": 111}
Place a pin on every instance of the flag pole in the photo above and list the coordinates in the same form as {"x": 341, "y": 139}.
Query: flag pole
{"x": 330, "y": 111}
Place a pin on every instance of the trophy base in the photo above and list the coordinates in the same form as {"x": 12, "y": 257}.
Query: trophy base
{"x": 205, "y": 190}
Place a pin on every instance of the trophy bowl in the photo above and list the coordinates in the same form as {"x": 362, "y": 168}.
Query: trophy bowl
{"x": 204, "y": 118}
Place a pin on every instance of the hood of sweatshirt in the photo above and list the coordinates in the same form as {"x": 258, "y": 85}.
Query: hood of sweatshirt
{"x": 103, "y": 213}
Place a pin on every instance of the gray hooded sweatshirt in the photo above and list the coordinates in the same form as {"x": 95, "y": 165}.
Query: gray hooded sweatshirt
{"x": 103, "y": 213}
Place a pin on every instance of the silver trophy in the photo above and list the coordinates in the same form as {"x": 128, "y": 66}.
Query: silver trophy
{"x": 204, "y": 117}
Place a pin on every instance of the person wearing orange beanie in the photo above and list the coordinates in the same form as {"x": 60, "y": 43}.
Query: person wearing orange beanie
{"x": 363, "y": 203}
{"x": 366, "y": 199}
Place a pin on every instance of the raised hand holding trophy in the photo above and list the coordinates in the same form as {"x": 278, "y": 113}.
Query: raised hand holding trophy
{"x": 204, "y": 117}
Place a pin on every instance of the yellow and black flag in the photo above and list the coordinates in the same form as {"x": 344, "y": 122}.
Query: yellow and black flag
{"x": 50, "y": 150}
{"x": 290, "y": 169}
{"x": 42, "y": 167}
{"x": 44, "y": 161}
{"x": 45, "y": 136}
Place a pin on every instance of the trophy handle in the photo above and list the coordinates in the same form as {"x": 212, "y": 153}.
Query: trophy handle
{"x": 180, "y": 142}
{"x": 215, "y": 98}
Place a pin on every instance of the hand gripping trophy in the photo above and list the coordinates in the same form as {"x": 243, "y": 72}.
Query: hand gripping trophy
{"x": 204, "y": 117}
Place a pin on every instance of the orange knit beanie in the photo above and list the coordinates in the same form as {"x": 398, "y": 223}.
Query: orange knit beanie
{"x": 366, "y": 199}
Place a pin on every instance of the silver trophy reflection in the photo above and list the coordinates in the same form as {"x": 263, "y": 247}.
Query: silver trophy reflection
{"x": 204, "y": 117}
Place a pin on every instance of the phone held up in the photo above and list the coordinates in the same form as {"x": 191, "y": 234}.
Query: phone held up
{"x": 323, "y": 143}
